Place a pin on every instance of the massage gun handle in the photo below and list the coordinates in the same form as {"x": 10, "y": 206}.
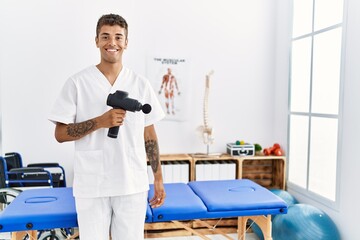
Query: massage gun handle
{"x": 113, "y": 132}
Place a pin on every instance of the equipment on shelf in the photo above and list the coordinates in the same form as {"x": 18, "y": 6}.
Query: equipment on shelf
{"x": 245, "y": 149}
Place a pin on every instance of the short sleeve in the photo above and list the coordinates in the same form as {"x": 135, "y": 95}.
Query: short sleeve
{"x": 157, "y": 112}
{"x": 64, "y": 108}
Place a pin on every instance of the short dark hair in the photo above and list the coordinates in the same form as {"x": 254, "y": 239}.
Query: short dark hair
{"x": 111, "y": 19}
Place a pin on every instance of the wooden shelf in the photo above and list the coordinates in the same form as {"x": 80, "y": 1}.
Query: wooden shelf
{"x": 218, "y": 159}
{"x": 175, "y": 157}
{"x": 268, "y": 171}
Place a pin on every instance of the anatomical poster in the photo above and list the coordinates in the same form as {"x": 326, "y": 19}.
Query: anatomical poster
{"x": 170, "y": 79}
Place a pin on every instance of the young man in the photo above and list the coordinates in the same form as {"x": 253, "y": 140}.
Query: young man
{"x": 110, "y": 174}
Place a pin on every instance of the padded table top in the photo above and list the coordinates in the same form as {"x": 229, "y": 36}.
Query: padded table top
{"x": 235, "y": 195}
{"x": 180, "y": 203}
{"x": 39, "y": 209}
{"x": 49, "y": 208}
{"x": 216, "y": 199}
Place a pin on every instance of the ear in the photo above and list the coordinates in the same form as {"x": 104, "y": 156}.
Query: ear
{"x": 97, "y": 42}
{"x": 126, "y": 43}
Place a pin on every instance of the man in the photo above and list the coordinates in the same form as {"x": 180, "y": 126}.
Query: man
{"x": 110, "y": 174}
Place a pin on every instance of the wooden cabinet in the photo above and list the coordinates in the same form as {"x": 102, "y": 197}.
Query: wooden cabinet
{"x": 215, "y": 163}
{"x": 268, "y": 171}
{"x": 177, "y": 167}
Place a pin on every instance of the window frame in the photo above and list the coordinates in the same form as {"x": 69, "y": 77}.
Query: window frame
{"x": 305, "y": 192}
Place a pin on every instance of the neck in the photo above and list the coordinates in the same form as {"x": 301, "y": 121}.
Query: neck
{"x": 110, "y": 70}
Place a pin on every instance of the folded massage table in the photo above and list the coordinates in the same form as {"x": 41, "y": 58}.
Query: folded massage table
{"x": 218, "y": 199}
{"x": 49, "y": 208}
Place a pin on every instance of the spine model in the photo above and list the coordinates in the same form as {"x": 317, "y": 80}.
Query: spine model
{"x": 207, "y": 130}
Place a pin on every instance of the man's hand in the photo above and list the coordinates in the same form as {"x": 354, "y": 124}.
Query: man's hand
{"x": 159, "y": 194}
{"x": 112, "y": 118}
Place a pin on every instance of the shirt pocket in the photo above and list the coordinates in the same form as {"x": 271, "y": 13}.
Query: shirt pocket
{"x": 138, "y": 159}
{"x": 134, "y": 125}
{"x": 89, "y": 162}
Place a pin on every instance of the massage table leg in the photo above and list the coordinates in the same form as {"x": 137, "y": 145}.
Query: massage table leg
{"x": 215, "y": 230}
{"x": 205, "y": 224}
{"x": 21, "y": 235}
{"x": 190, "y": 230}
{"x": 264, "y": 222}
{"x": 242, "y": 227}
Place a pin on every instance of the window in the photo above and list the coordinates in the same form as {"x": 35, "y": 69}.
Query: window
{"x": 314, "y": 98}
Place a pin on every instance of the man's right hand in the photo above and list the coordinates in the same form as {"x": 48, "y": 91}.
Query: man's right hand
{"x": 112, "y": 118}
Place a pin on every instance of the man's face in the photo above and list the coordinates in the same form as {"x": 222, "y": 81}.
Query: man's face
{"x": 112, "y": 42}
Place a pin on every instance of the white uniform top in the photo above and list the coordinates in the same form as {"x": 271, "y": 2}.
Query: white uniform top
{"x": 107, "y": 166}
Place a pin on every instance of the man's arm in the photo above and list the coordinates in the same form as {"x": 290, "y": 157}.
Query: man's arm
{"x": 74, "y": 131}
{"x": 152, "y": 152}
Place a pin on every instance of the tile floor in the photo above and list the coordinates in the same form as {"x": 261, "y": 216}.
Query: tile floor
{"x": 249, "y": 236}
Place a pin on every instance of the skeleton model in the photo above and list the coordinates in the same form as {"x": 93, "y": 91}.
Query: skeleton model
{"x": 206, "y": 130}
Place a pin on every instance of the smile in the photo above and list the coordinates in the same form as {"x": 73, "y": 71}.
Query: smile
{"x": 112, "y": 50}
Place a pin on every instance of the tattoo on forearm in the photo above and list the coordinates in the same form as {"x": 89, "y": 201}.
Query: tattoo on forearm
{"x": 152, "y": 151}
{"x": 80, "y": 129}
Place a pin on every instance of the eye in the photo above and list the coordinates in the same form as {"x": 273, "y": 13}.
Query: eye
{"x": 104, "y": 37}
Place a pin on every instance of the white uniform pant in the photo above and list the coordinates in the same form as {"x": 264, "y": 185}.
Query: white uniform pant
{"x": 122, "y": 217}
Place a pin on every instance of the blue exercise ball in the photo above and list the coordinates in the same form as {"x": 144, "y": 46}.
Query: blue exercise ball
{"x": 257, "y": 230}
{"x": 284, "y": 195}
{"x": 304, "y": 222}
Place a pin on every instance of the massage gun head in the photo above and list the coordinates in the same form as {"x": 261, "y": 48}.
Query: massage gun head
{"x": 119, "y": 99}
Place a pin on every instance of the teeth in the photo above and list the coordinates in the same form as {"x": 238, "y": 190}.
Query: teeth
{"x": 112, "y": 50}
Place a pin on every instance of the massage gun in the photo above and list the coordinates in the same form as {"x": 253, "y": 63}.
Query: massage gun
{"x": 118, "y": 100}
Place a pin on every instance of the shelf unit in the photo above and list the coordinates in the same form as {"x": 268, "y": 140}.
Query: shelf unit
{"x": 223, "y": 158}
{"x": 177, "y": 162}
{"x": 268, "y": 171}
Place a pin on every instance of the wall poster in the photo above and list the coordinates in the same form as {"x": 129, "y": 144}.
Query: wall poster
{"x": 170, "y": 79}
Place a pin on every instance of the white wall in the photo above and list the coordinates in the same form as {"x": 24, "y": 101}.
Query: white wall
{"x": 349, "y": 209}
{"x": 44, "y": 42}
{"x": 350, "y": 164}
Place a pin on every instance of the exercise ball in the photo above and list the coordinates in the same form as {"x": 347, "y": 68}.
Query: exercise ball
{"x": 284, "y": 195}
{"x": 257, "y": 230}
{"x": 304, "y": 222}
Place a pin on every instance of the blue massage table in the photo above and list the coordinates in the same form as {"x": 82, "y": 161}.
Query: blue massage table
{"x": 218, "y": 199}
{"x": 39, "y": 209}
{"x": 50, "y": 208}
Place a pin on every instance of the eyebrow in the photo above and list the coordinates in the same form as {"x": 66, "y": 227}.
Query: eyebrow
{"x": 107, "y": 34}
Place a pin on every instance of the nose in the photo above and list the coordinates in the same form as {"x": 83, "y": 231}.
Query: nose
{"x": 112, "y": 41}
